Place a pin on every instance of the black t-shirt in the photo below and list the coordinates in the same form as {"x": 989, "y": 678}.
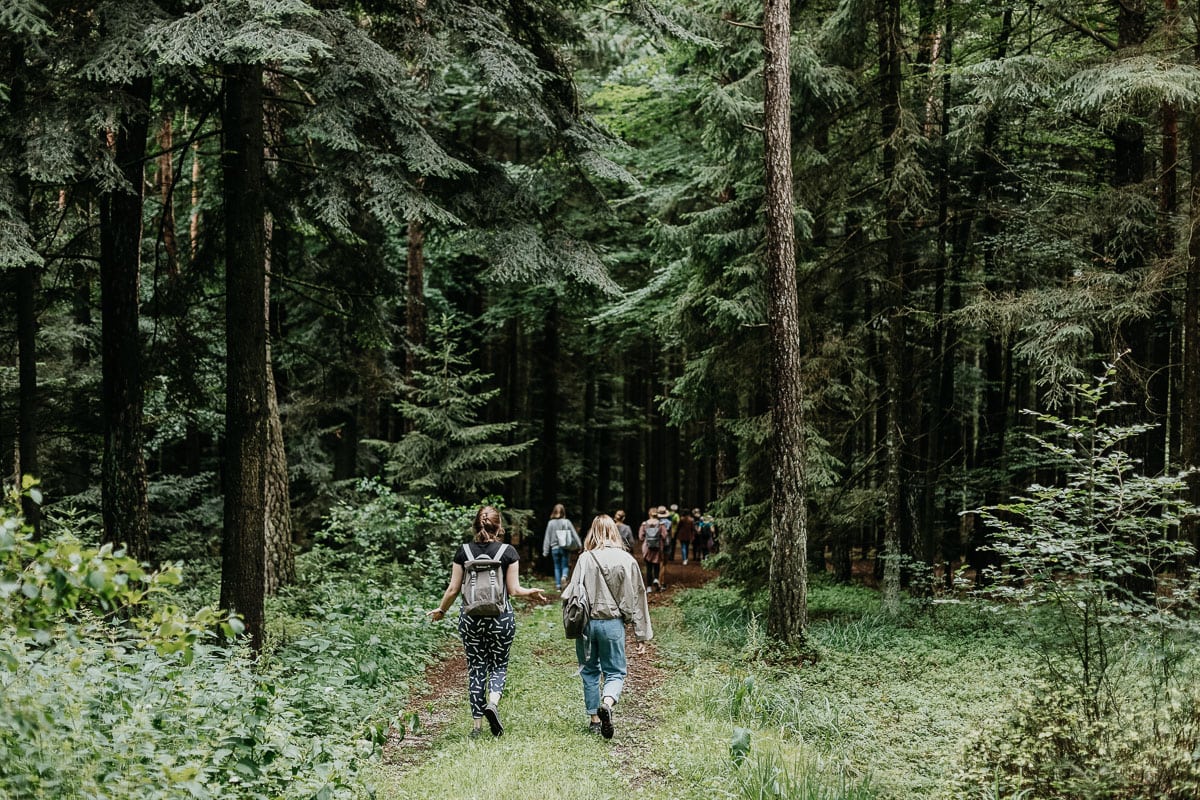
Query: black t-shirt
{"x": 507, "y": 558}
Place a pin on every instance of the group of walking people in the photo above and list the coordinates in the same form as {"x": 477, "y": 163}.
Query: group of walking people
{"x": 658, "y": 535}
{"x": 606, "y": 575}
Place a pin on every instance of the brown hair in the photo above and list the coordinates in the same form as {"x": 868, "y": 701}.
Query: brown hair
{"x": 489, "y": 527}
{"x": 559, "y": 512}
{"x": 603, "y": 532}
{"x": 619, "y": 515}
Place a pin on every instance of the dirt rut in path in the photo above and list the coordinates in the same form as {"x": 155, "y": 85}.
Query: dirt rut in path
{"x": 446, "y": 681}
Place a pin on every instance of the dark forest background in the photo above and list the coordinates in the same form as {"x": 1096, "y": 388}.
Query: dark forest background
{"x": 517, "y": 249}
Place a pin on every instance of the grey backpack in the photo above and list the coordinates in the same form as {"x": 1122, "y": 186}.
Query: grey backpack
{"x": 483, "y": 590}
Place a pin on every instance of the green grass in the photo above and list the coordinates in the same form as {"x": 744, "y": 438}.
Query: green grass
{"x": 882, "y": 713}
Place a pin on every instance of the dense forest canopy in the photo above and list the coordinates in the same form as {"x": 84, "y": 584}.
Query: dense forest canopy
{"x": 257, "y": 251}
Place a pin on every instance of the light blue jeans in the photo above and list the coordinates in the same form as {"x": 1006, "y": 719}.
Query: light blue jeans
{"x": 602, "y": 650}
{"x": 562, "y": 564}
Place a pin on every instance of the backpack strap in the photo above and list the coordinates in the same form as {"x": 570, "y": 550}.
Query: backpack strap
{"x": 467, "y": 550}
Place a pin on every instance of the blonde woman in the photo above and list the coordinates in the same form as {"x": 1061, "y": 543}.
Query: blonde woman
{"x": 487, "y": 640}
{"x": 610, "y": 579}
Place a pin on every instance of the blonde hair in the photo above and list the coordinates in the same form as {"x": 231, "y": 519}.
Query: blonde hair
{"x": 603, "y": 533}
{"x": 489, "y": 527}
{"x": 559, "y": 512}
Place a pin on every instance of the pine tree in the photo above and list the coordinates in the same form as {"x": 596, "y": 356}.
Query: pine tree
{"x": 450, "y": 452}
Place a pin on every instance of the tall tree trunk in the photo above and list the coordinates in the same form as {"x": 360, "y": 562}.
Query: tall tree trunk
{"x": 1149, "y": 338}
{"x": 656, "y": 446}
{"x": 787, "y": 614}
{"x": 27, "y": 403}
{"x": 79, "y": 478}
{"x": 587, "y": 481}
{"x": 280, "y": 563}
{"x": 604, "y": 443}
{"x": 1168, "y": 351}
{"x": 550, "y": 359}
{"x": 939, "y": 442}
{"x": 991, "y": 420}
{"x": 194, "y": 214}
{"x": 124, "y": 501}
{"x": 27, "y": 281}
{"x": 1189, "y": 444}
{"x": 631, "y": 446}
{"x": 246, "y": 375}
{"x": 888, "y": 21}
{"x": 166, "y": 192}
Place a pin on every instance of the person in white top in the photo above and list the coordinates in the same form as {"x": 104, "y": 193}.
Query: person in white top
{"x": 612, "y": 582}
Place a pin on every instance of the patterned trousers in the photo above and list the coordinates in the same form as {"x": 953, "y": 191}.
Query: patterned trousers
{"x": 486, "y": 641}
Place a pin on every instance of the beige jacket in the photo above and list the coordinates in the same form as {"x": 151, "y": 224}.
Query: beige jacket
{"x": 615, "y": 589}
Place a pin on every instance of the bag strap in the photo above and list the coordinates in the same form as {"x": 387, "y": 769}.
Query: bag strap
{"x": 470, "y": 555}
{"x": 603, "y": 577}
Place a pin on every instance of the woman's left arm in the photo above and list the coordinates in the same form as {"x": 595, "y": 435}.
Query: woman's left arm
{"x": 513, "y": 582}
{"x": 456, "y": 578}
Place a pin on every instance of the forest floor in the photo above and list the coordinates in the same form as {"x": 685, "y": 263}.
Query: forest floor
{"x": 882, "y": 710}
{"x": 546, "y": 750}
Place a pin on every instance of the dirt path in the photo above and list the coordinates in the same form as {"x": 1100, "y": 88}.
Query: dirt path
{"x": 541, "y": 657}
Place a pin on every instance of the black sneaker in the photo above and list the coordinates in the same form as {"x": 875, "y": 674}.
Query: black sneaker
{"x": 493, "y": 718}
{"x": 605, "y": 715}
{"x": 593, "y": 727}
{"x": 475, "y": 733}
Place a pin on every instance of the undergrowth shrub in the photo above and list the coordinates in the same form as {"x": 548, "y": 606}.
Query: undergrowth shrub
{"x": 350, "y": 659}
{"x": 97, "y": 715}
{"x": 375, "y": 530}
{"x": 1107, "y": 589}
{"x": 111, "y": 691}
{"x": 1050, "y": 746}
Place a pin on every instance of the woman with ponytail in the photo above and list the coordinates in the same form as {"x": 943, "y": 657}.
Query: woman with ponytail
{"x": 486, "y": 639}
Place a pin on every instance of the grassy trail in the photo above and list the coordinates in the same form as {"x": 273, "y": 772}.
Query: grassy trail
{"x": 880, "y": 714}
{"x": 546, "y": 750}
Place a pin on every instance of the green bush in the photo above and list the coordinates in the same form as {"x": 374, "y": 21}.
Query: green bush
{"x": 1107, "y": 592}
{"x": 111, "y": 691}
{"x": 378, "y": 531}
{"x": 1051, "y": 746}
{"x": 99, "y": 715}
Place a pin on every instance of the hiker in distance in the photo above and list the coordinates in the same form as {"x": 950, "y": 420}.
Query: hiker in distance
{"x": 486, "y": 572}
{"x": 561, "y": 539}
{"x": 610, "y": 579}
{"x": 653, "y": 536}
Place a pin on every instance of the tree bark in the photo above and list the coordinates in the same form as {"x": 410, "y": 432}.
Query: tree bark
{"x": 888, "y": 22}
{"x": 1189, "y": 444}
{"x": 414, "y": 310}
{"x": 550, "y": 358}
{"x": 604, "y": 440}
{"x": 246, "y": 403}
{"x": 27, "y": 281}
{"x": 280, "y": 563}
{"x": 787, "y": 614}
{"x": 166, "y": 192}
{"x": 28, "y": 278}
{"x": 124, "y": 503}
{"x": 631, "y": 446}
{"x": 587, "y": 482}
